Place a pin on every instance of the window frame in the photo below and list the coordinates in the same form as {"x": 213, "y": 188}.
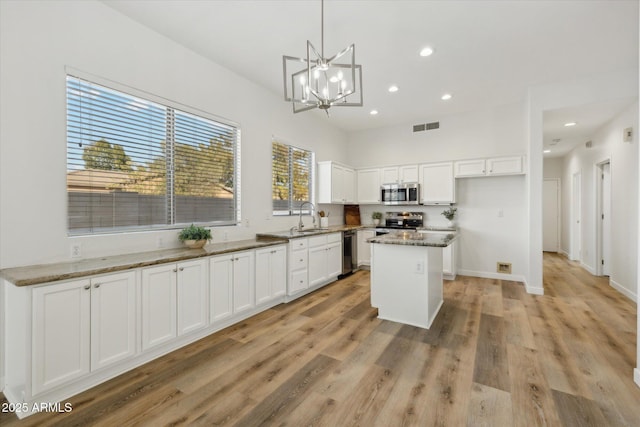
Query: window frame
{"x": 291, "y": 209}
{"x": 170, "y": 199}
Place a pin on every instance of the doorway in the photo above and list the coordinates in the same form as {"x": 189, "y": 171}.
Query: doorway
{"x": 576, "y": 217}
{"x": 603, "y": 217}
{"x": 551, "y": 215}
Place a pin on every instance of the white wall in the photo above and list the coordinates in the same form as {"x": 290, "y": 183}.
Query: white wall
{"x": 485, "y": 238}
{"x": 608, "y": 144}
{"x": 552, "y": 168}
{"x": 38, "y": 39}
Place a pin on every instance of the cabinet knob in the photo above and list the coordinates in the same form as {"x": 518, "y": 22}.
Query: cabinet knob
{"x": 490, "y": 170}
{"x": 301, "y": 259}
{"x": 181, "y": 269}
{"x": 175, "y": 270}
{"x": 97, "y": 285}
{"x": 87, "y": 287}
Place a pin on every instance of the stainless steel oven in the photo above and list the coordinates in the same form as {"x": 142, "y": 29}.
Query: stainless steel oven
{"x": 400, "y": 194}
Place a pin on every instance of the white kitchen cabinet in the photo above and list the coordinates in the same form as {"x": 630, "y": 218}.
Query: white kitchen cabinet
{"x": 489, "y": 167}
{"x": 336, "y": 183}
{"x": 399, "y": 174}
{"x": 505, "y": 166}
{"x": 364, "y": 247}
{"x": 449, "y": 269}
{"x": 232, "y": 283}
{"x": 368, "y": 186}
{"x": 325, "y": 258}
{"x": 298, "y": 266}
{"x": 243, "y": 281}
{"x": 271, "y": 273}
{"x": 437, "y": 184}
{"x": 220, "y": 287}
{"x": 174, "y": 301}
{"x": 470, "y": 168}
{"x": 81, "y": 326}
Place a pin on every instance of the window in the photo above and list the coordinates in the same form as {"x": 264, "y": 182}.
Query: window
{"x": 137, "y": 164}
{"x": 292, "y": 183}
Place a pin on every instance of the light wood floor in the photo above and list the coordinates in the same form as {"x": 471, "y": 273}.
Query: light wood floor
{"x": 495, "y": 356}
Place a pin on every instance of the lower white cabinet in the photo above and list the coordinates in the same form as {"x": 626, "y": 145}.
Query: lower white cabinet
{"x": 232, "y": 284}
{"x": 81, "y": 326}
{"x": 325, "y": 258}
{"x": 271, "y": 273}
{"x": 174, "y": 301}
{"x": 364, "y": 247}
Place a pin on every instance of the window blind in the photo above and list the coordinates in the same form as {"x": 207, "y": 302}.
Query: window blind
{"x": 137, "y": 164}
{"x": 292, "y": 182}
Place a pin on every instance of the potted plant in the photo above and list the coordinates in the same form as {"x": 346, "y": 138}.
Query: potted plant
{"x": 450, "y": 214}
{"x": 376, "y": 216}
{"x": 194, "y": 236}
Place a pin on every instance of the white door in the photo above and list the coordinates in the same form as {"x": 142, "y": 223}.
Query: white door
{"x": 113, "y": 318}
{"x": 220, "y": 287}
{"x": 243, "y": 282}
{"x": 606, "y": 219}
{"x": 576, "y": 215}
{"x": 159, "y": 305}
{"x": 550, "y": 215}
{"x": 192, "y": 296}
{"x": 61, "y": 334}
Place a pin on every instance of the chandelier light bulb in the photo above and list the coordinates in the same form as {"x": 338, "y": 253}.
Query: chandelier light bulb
{"x": 427, "y": 51}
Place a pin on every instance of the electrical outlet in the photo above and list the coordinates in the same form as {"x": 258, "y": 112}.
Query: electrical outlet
{"x": 76, "y": 250}
{"x": 419, "y": 267}
{"x": 160, "y": 242}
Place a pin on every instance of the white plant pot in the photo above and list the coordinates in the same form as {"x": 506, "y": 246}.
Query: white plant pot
{"x": 324, "y": 222}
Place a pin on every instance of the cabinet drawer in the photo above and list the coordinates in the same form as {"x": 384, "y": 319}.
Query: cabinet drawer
{"x": 334, "y": 237}
{"x": 299, "y": 281}
{"x": 317, "y": 241}
{"x": 298, "y": 244}
{"x": 299, "y": 260}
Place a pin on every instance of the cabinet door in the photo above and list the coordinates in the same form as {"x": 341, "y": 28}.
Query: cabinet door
{"x": 317, "y": 265}
{"x": 408, "y": 173}
{"x": 193, "y": 298}
{"x": 438, "y": 184}
{"x": 466, "y": 168}
{"x": 349, "y": 185}
{"x": 504, "y": 166}
{"x": 243, "y": 282}
{"x": 337, "y": 187}
{"x": 220, "y": 287}
{"x": 279, "y": 271}
{"x": 263, "y": 275}
{"x": 113, "y": 318}
{"x": 447, "y": 267}
{"x": 364, "y": 247}
{"x": 368, "y": 186}
{"x": 159, "y": 305}
{"x": 334, "y": 260}
{"x": 390, "y": 175}
{"x": 61, "y": 334}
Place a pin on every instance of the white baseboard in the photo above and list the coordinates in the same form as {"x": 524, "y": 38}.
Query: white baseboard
{"x": 636, "y": 376}
{"x": 624, "y": 291}
{"x": 565, "y": 253}
{"x": 490, "y": 275}
{"x": 588, "y": 268}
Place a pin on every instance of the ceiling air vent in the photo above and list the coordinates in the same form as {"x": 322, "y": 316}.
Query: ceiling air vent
{"x": 426, "y": 126}
{"x": 588, "y": 144}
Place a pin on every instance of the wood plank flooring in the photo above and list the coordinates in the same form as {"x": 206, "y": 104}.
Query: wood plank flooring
{"x": 495, "y": 356}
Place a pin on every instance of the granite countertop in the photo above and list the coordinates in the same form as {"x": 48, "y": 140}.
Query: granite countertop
{"x": 414, "y": 238}
{"x": 437, "y": 228}
{"x": 308, "y": 232}
{"x": 44, "y": 273}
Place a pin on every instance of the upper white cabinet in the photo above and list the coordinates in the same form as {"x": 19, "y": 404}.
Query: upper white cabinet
{"x": 368, "y": 185}
{"x": 336, "y": 183}
{"x": 399, "y": 174}
{"x": 489, "y": 167}
{"x": 437, "y": 184}
{"x": 81, "y": 326}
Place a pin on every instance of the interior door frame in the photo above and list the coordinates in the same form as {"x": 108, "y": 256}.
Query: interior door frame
{"x": 597, "y": 172}
{"x": 576, "y": 217}
{"x": 558, "y": 211}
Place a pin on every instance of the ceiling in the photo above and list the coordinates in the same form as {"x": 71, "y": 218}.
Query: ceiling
{"x": 487, "y": 53}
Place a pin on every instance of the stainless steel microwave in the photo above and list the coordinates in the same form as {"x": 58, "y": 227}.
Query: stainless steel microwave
{"x": 400, "y": 194}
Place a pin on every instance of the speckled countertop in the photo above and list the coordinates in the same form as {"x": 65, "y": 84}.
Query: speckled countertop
{"x": 414, "y": 238}
{"x": 44, "y": 273}
{"x": 308, "y": 232}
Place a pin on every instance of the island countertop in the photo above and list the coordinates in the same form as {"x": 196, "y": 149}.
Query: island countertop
{"x": 414, "y": 238}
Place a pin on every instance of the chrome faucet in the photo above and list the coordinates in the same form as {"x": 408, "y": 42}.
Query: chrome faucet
{"x": 313, "y": 208}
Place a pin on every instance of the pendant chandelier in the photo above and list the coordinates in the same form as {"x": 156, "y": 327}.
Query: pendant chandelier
{"x": 320, "y": 82}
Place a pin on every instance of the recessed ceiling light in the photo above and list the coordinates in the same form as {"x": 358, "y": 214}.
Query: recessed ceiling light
{"x": 570, "y": 124}
{"x": 546, "y": 151}
{"x": 373, "y": 112}
{"x": 393, "y": 88}
{"x": 427, "y": 51}
{"x": 446, "y": 96}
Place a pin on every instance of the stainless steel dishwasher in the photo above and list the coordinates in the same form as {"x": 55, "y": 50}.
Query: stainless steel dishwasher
{"x": 349, "y": 252}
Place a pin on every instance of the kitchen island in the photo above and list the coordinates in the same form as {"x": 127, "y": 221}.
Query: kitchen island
{"x": 406, "y": 276}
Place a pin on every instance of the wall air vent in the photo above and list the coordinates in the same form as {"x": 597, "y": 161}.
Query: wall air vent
{"x": 426, "y": 126}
